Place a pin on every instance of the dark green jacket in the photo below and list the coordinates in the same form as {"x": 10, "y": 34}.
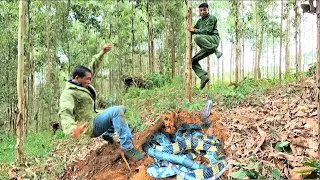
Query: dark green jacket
{"x": 78, "y": 103}
{"x": 206, "y": 26}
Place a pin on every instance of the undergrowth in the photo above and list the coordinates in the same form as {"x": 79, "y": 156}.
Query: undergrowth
{"x": 145, "y": 106}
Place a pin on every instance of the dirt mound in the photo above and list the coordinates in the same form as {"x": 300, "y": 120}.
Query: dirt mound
{"x": 106, "y": 162}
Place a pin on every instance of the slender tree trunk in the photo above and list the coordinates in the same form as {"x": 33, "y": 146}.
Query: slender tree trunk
{"x": 222, "y": 64}
{"x": 287, "y": 55}
{"x": 318, "y": 60}
{"x": 209, "y": 72}
{"x": 48, "y": 29}
{"x": 173, "y": 54}
{"x": 297, "y": 39}
{"x": 166, "y": 38}
{"x": 255, "y": 74}
{"x": 133, "y": 39}
{"x": 218, "y": 70}
{"x": 110, "y": 81}
{"x": 231, "y": 57}
{"x": 188, "y": 74}
{"x": 260, "y": 52}
{"x": 237, "y": 31}
{"x": 28, "y": 105}
{"x": 280, "y": 57}
{"x": 299, "y": 50}
{"x": 267, "y": 56}
{"x": 150, "y": 39}
{"x": 243, "y": 46}
{"x": 274, "y": 56}
{"x": 21, "y": 100}
{"x": 68, "y": 42}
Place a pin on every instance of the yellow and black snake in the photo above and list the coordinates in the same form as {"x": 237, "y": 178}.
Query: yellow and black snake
{"x": 174, "y": 155}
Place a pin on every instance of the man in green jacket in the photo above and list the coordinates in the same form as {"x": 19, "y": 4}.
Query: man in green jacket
{"x": 78, "y": 114}
{"x": 206, "y": 36}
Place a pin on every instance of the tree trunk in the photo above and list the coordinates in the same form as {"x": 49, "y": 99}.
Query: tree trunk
{"x": 21, "y": 101}
{"x": 267, "y": 56}
{"x": 173, "y": 54}
{"x": 231, "y": 57}
{"x": 243, "y": 46}
{"x": 218, "y": 70}
{"x": 68, "y": 42}
{"x": 255, "y": 71}
{"x": 165, "y": 58}
{"x": 297, "y": 39}
{"x": 133, "y": 39}
{"x": 150, "y": 39}
{"x": 287, "y": 55}
{"x": 274, "y": 56}
{"x": 237, "y": 31}
{"x": 188, "y": 74}
{"x": 280, "y": 56}
{"x": 209, "y": 73}
{"x": 48, "y": 28}
{"x": 318, "y": 60}
{"x": 222, "y": 64}
{"x": 110, "y": 81}
{"x": 258, "y": 69}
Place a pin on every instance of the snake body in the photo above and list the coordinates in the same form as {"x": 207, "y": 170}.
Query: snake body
{"x": 174, "y": 154}
{"x": 176, "y": 158}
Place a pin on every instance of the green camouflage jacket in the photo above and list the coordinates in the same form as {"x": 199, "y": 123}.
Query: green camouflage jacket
{"x": 206, "y": 26}
{"x": 78, "y": 103}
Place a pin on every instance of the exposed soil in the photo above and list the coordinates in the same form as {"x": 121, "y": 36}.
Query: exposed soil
{"x": 106, "y": 162}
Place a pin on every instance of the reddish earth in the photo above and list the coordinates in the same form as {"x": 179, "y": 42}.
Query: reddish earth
{"x": 106, "y": 162}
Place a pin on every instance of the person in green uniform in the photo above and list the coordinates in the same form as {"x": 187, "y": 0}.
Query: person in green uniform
{"x": 206, "y": 36}
{"x": 78, "y": 114}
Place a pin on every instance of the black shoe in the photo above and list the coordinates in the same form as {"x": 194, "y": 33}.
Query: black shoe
{"x": 108, "y": 138}
{"x": 204, "y": 81}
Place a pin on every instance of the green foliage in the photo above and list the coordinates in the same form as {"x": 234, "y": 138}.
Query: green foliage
{"x": 275, "y": 174}
{"x": 59, "y": 135}
{"x": 252, "y": 170}
{"x": 35, "y": 145}
{"x": 193, "y": 106}
{"x": 135, "y": 123}
{"x": 315, "y": 170}
{"x": 283, "y": 146}
{"x": 155, "y": 80}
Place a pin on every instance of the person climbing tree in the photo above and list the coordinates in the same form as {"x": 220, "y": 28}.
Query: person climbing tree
{"x": 206, "y": 36}
{"x": 77, "y": 104}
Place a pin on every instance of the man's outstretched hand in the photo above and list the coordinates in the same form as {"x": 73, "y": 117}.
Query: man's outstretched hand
{"x": 78, "y": 130}
{"x": 106, "y": 48}
{"x": 190, "y": 28}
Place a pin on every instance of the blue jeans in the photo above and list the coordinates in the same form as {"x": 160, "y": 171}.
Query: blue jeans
{"x": 112, "y": 120}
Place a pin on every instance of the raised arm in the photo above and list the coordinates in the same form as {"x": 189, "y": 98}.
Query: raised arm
{"x": 97, "y": 59}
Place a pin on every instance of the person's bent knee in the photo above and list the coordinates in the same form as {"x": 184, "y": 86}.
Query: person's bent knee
{"x": 121, "y": 110}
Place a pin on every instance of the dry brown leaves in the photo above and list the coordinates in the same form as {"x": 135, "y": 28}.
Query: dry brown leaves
{"x": 284, "y": 116}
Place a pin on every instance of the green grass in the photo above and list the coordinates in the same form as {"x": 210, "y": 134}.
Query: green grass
{"x": 37, "y": 145}
{"x": 143, "y": 106}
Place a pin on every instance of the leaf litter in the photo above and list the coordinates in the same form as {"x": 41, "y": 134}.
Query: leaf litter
{"x": 262, "y": 134}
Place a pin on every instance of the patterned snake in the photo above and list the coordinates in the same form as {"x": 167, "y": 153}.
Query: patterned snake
{"x": 174, "y": 154}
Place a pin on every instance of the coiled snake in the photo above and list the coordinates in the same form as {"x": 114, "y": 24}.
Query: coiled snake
{"x": 174, "y": 154}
